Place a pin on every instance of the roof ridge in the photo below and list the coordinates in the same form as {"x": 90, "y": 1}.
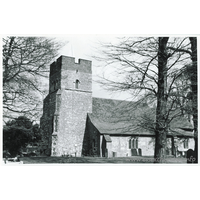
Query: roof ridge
{"x": 112, "y": 99}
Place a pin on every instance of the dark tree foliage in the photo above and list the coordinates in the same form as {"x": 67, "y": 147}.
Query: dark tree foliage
{"x": 21, "y": 121}
{"x": 15, "y": 138}
{"x": 18, "y": 133}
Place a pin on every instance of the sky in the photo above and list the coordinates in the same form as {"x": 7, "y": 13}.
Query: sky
{"x": 84, "y": 47}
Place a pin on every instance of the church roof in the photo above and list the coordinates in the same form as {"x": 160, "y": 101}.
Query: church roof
{"x": 116, "y": 117}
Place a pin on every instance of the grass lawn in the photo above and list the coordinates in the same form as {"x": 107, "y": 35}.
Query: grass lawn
{"x": 120, "y": 160}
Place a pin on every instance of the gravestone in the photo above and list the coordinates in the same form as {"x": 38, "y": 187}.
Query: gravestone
{"x": 140, "y": 152}
{"x": 134, "y": 152}
{"x": 191, "y": 157}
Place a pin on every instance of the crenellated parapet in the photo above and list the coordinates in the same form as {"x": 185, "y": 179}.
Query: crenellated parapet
{"x": 65, "y": 73}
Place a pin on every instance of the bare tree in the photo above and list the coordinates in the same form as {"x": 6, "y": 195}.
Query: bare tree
{"x": 148, "y": 68}
{"x": 25, "y": 66}
{"x": 190, "y": 72}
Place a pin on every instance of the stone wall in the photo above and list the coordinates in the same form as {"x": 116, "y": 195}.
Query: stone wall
{"x": 46, "y": 121}
{"x": 72, "y": 121}
{"x": 91, "y": 141}
{"x": 146, "y": 144}
{"x": 69, "y": 78}
{"x": 120, "y": 146}
{"x": 66, "y": 106}
{"x": 68, "y": 63}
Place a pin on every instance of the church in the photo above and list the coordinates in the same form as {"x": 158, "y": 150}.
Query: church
{"x": 75, "y": 123}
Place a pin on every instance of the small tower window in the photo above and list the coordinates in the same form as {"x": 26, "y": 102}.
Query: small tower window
{"x": 77, "y": 84}
{"x": 77, "y": 71}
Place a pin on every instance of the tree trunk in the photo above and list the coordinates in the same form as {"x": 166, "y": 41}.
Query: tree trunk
{"x": 193, "y": 77}
{"x": 161, "y": 121}
{"x": 173, "y": 146}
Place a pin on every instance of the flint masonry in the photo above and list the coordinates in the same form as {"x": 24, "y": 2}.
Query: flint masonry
{"x": 66, "y": 106}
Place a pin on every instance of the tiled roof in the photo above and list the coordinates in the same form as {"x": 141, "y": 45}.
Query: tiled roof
{"x": 115, "y": 117}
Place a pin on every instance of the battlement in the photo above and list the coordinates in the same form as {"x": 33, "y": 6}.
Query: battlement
{"x": 68, "y": 63}
{"x": 65, "y": 73}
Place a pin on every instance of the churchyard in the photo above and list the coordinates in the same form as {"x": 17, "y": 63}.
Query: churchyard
{"x": 100, "y": 160}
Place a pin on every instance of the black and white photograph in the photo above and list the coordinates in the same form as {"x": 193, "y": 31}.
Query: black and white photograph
{"x": 127, "y": 99}
{"x": 99, "y": 99}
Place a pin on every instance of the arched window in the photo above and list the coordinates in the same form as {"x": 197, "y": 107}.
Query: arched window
{"x": 133, "y": 143}
{"x": 77, "y": 84}
{"x": 129, "y": 143}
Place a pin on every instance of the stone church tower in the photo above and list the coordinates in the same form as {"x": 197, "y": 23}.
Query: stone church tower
{"x": 66, "y": 106}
